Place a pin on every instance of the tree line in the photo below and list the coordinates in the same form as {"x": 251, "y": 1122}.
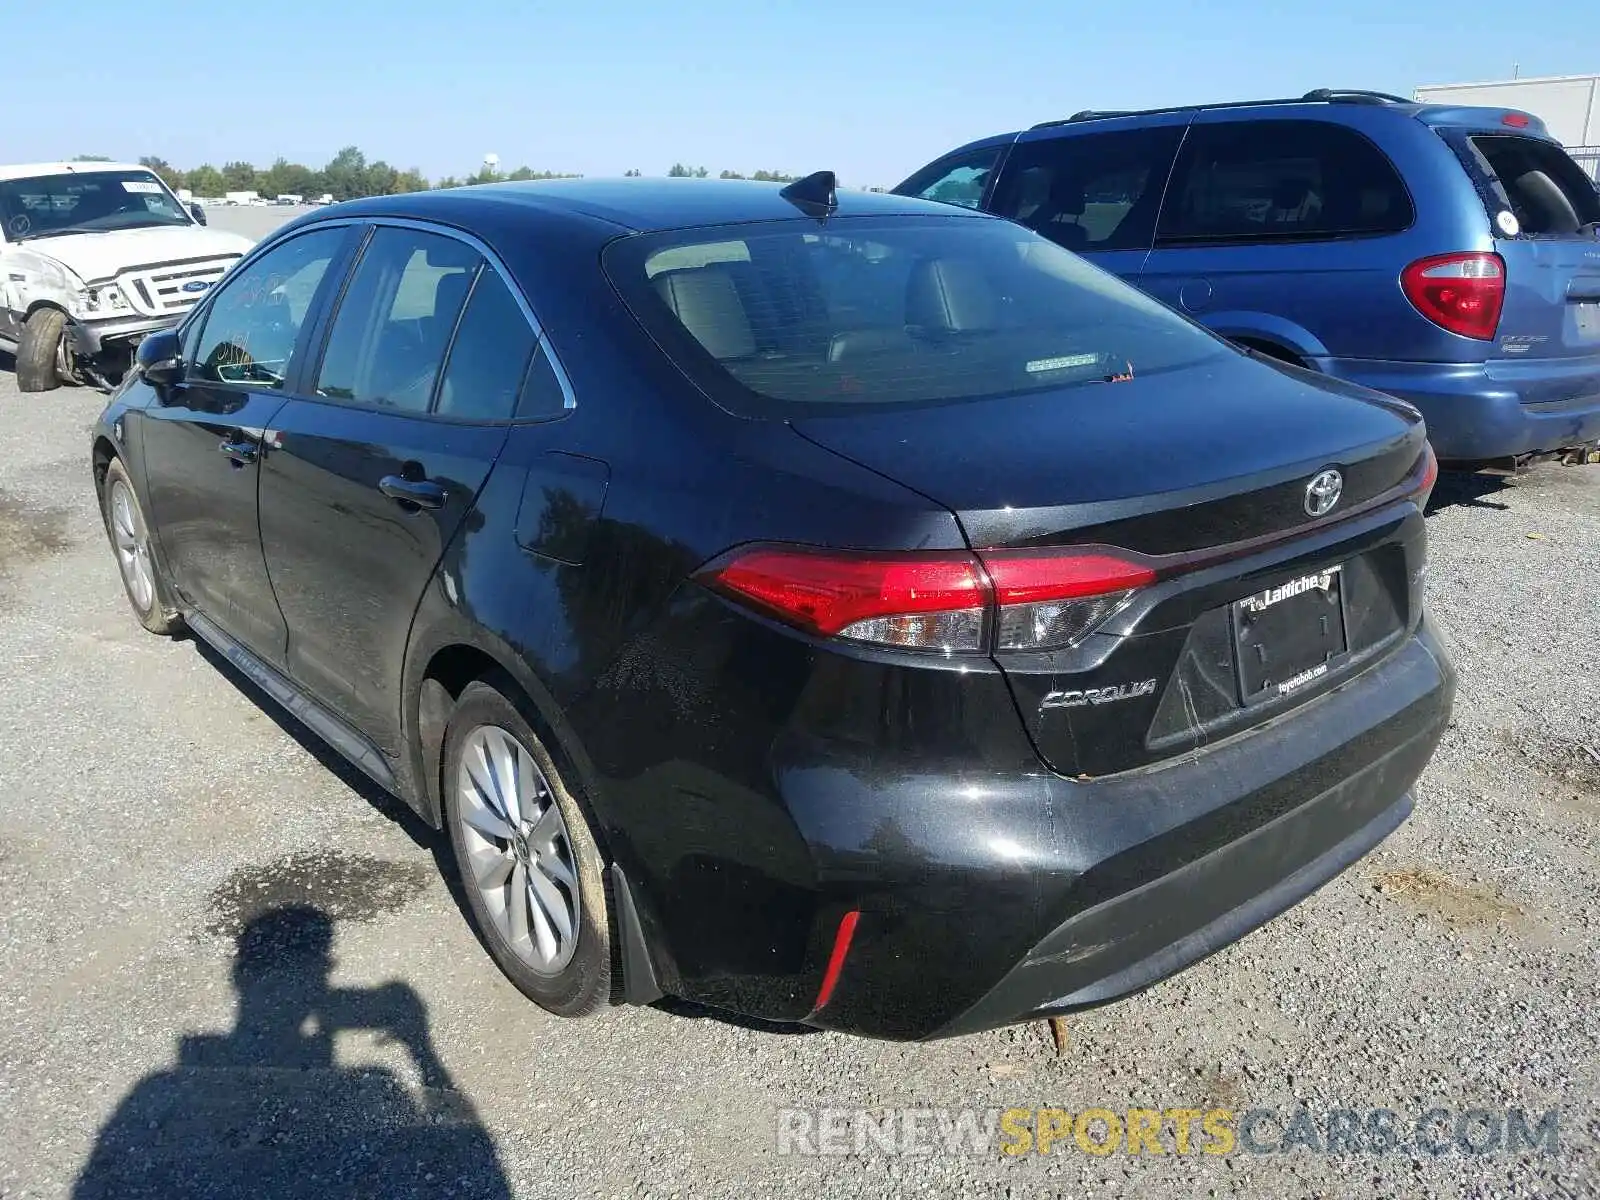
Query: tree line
{"x": 349, "y": 175}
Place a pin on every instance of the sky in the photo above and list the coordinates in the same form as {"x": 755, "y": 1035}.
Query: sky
{"x": 871, "y": 89}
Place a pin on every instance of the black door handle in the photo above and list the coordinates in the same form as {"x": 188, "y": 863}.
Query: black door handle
{"x": 422, "y": 493}
{"x": 241, "y": 450}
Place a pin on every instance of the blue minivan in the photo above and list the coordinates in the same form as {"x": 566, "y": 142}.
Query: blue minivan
{"x": 1445, "y": 255}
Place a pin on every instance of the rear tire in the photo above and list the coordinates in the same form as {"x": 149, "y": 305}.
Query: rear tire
{"x": 528, "y": 862}
{"x": 39, "y": 350}
{"x": 130, "y": 542}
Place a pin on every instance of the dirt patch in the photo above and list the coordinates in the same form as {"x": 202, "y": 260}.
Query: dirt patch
{"x": 346, "y": 887}
{"x": 1458, "y": 905}
{"x": 29, "y": 531}
{"x": 1571, "y": 764}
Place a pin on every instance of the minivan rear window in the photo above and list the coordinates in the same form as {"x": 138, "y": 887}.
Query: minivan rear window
{"x": 871, "y": 311}
{"x": 1547, "y": 191}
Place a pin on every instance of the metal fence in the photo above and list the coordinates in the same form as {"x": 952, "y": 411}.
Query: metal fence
{"x": 1587, "y": 157}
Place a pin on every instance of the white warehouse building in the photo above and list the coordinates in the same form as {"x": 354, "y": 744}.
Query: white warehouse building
{"x": 1569, "y": 106}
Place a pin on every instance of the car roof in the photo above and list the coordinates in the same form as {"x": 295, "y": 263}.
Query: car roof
{"x": 635, "y": 205}
{"x": 32, "y": 170}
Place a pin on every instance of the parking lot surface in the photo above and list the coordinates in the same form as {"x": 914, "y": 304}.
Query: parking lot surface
{"x": 176, "y": 857}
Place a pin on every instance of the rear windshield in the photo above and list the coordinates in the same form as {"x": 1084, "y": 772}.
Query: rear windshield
{"x": 1547, "y": 191}
{"x": 875, "y": 311}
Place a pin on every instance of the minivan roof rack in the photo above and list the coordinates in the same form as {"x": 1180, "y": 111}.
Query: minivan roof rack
{"x": 1316, "y": 96}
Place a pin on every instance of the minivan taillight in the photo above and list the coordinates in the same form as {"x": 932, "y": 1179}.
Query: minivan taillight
{"x": 951, "y": 602}
{"x": 1462, "y": 293}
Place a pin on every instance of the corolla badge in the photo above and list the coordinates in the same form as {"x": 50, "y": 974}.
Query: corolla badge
{"x": 196, "y": 285}
{"x": 1323, "y": 492}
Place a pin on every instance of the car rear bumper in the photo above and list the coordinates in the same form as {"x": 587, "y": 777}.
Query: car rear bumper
{"x": 1496, "y": 409}
{"x": 988, "y": 904}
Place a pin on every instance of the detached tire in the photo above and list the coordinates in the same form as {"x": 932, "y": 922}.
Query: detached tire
{"x": 39, "y": 349}
{"x": 130, "y": 541}
{"x": 529, "y": 865}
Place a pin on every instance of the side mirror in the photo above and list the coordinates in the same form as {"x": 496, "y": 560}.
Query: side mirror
{"x": 197, "y": 211}
{"x": 160, "y": 358}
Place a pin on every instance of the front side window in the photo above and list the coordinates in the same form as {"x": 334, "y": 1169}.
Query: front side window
{"x": 86, "y": 202}
{"x": 876, "y": 311}
{"x": 954, "y": 180}
{"x": 1255, "y": 181}
{"x": 1087, "y": 192}
{"x": 397, "y": 316}
{"x": 250, "y": 329}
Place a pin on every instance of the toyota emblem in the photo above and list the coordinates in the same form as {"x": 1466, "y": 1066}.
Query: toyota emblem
{"x": 1323, "y": 492}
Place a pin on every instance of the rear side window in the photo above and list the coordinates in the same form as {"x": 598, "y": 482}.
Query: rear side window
{"x": 959, "y": 180}
{"x": 1547, "y": 191}
{"x": 1097, "y": 191}
{"x": 1264, "y": 181}
{"x": 871, "y": 312}
{"x": 396, "y": 318}
{"x": 489, "y": 356}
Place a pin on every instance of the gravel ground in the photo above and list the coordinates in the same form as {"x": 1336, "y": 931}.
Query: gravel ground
{"x": 151, "y": 810}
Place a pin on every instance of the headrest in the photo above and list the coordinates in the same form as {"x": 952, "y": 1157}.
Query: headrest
{"x": 950, "y": 295}
{"x": 706, "y": 301}
{"x": 1066, "y": 196}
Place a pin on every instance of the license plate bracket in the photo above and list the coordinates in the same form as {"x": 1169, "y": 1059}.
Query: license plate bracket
{"x": 1287, "y": 637}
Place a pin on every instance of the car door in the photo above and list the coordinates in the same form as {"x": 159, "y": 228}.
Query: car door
{"x": 373, "y": 473}
{"x": 1094, "y": 189}
{"x": 202, "y": 443}
{"x": 1282, "y": 232}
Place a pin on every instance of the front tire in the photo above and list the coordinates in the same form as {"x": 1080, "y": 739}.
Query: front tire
{"x": 532, "y": 873}
{"x": 39, "y": 350}
{"x": 130, "y": 541}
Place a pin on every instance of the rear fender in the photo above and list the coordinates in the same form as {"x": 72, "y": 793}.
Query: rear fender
{"x": 1265, "y": 329}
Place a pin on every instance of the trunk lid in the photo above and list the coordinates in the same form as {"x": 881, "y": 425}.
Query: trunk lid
{"x": 1174, "y": 467}
{"x": 1160, "y": 464}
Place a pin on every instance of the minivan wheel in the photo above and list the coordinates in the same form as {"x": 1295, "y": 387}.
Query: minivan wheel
{"x": 530, "y": 868}
{"x": 130, "y": 540}
{"x": 39, "y": 350}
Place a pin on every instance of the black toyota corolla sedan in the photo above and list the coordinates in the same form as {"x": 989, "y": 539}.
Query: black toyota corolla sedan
{"x": 830, "y": 607}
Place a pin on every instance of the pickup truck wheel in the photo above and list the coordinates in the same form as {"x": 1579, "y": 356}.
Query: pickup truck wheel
{"x": 39, "y": 350}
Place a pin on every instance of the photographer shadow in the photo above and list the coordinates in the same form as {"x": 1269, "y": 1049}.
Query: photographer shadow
{"x": 264, "y": 1112}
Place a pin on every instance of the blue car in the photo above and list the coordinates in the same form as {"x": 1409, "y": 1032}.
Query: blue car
{"x": 1445, "y": 255}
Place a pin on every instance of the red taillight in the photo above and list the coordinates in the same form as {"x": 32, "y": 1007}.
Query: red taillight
{"x": 1049, "y": 599}
{"x": 1430, "y": 474}
{"x": 932, "y": 601}
{"x": 1516, "y": 120}
{"x": 941, "y": 600}
{"x": 1458, "y": 292}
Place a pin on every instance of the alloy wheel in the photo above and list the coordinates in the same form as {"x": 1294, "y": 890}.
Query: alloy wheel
{"x": 133, "y": 546}
{"x": 517, "y": 848}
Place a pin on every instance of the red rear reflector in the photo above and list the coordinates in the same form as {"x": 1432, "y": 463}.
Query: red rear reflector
{"x": 841, "y": 947}
{"x": 1461, "y": 293}
{"x": 1515, "y": 120}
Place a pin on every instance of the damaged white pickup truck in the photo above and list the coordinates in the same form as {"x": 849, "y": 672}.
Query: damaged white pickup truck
{"x": 94, "y": 256}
